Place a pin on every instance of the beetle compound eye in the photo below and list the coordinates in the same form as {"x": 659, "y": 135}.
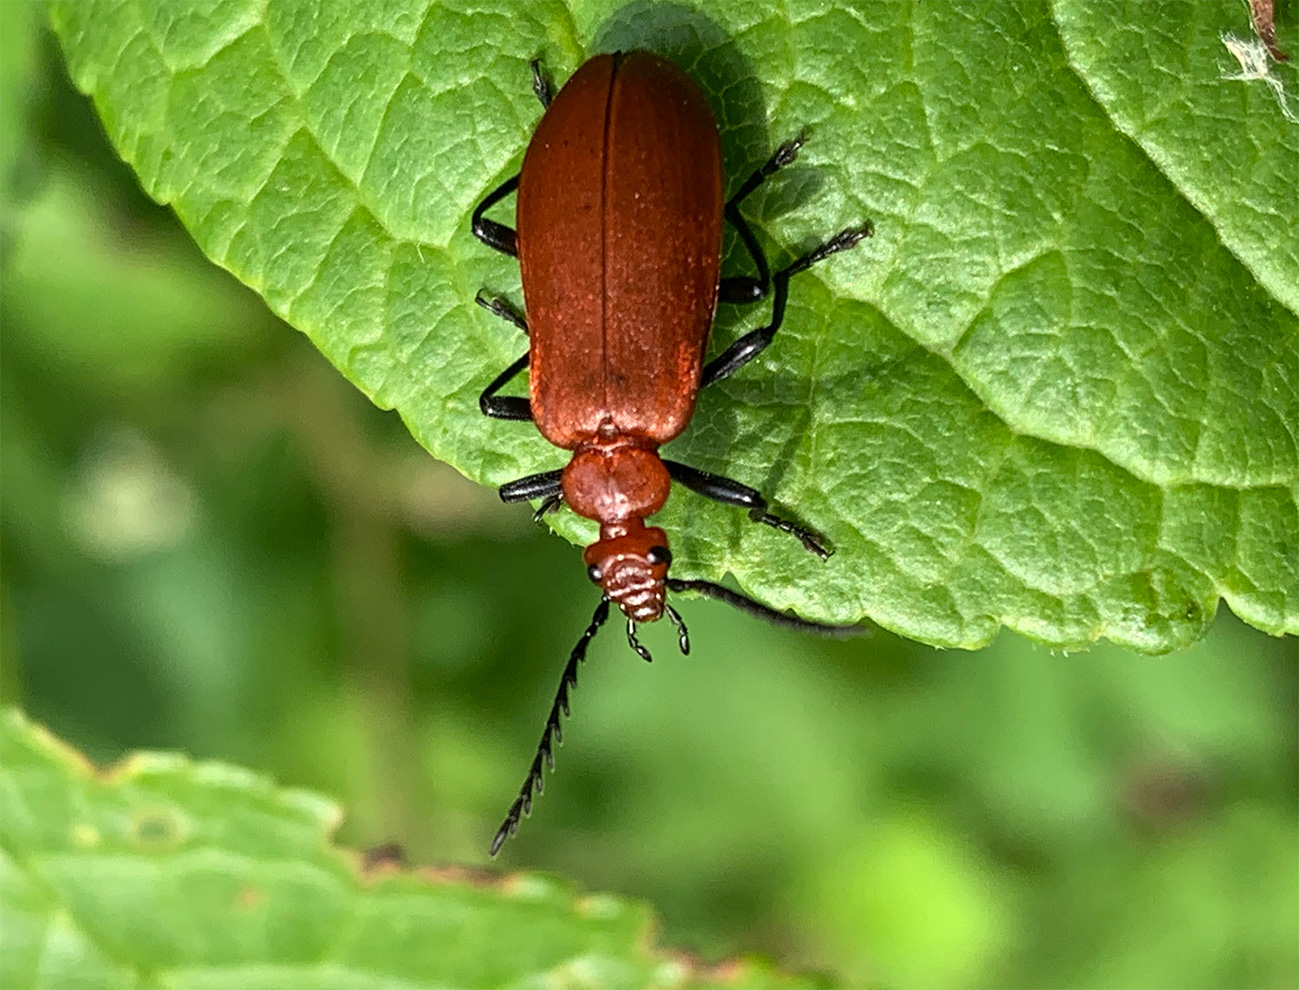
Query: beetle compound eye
{"x": 594, "y": 573}
{"x": 659, "y": 555}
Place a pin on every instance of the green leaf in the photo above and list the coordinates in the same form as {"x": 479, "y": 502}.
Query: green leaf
{"x": 20, "y": 37}
{"x": 203, "y": 875}
{"x": 1056, "y": 392}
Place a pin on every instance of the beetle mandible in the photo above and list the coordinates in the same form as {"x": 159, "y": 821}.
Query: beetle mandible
{"x": 619, "y": 239}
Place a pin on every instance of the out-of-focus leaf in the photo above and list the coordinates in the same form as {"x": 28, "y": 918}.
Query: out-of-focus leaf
{"x": 20, "y": 33}
{"x": 908, "y": 900}
{"x": 202, "y": 875}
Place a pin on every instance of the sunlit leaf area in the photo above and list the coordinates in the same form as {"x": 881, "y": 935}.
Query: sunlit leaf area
{"x": 275, "y": 657}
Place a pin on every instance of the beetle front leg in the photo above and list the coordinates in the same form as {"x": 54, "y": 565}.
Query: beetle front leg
{"x": 754, "y": 342}
{"x": 544, "y": 485}
{"x": 731, "y": 492}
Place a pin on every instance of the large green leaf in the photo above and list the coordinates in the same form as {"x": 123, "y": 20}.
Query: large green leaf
{"x": 203, "y": 875}
{"x": 1057, "y": 391}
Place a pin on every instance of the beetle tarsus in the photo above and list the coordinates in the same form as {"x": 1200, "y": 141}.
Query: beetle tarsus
{"x": 783, "y": 156}
{"x": 501, "y": 307}
{"x": 812, "y": 541}
{"x": 540, "y": 84}
{"x": 842, "y": 241}
{"x": 551, "y": 504}
{"x": 786, "y": 153}
{"x": 744, "y": 289}
{"x": 728, "y": 491}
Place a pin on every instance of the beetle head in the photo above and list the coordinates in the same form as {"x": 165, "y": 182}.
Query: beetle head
{"x": 630, "y": 563}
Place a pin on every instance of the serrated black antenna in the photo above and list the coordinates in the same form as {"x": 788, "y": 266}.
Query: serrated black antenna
{"x": 746, "y": 604}
{"x": 545, "y": 754}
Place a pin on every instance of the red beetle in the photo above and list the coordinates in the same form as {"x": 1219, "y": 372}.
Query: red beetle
{"x": 619, "y": 243}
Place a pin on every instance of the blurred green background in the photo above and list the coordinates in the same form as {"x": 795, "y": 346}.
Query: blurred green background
{"x": 212, "y": 543}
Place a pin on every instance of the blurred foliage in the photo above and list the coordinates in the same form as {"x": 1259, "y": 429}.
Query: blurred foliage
{"x": 166, "y": 872}
{"x": 212, "y": 543}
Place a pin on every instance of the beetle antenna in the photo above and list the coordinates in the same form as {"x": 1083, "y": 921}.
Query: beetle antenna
{"x": 683, "y": 634}
{"x": 746, "y": 604}
{"x": 545, "y": 753}
{"x": 635, "y": 643}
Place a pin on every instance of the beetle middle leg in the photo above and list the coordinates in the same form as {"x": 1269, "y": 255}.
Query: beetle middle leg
{"x": 495, "y": 235}
{"x": 504, "y": 406}
{"x": 754, "y": 342}
{"x": 514, "y": 407}
{"x": 731, "y": 492}
{"x": 547, "y": 486}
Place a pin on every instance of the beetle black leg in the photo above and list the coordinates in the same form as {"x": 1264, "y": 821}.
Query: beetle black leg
{"x": 743, "y": 288}
{"x": 496, "y": 235}
{"x": 551, "y": 504}
{"x": 546, "y": 484}
{"x": 500, "y": 307}
{"x": 752, "y": 343}
{"x": 730, "y": 492}
{"x": 540, "y": 84}
{"x": 505, "y": 406}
